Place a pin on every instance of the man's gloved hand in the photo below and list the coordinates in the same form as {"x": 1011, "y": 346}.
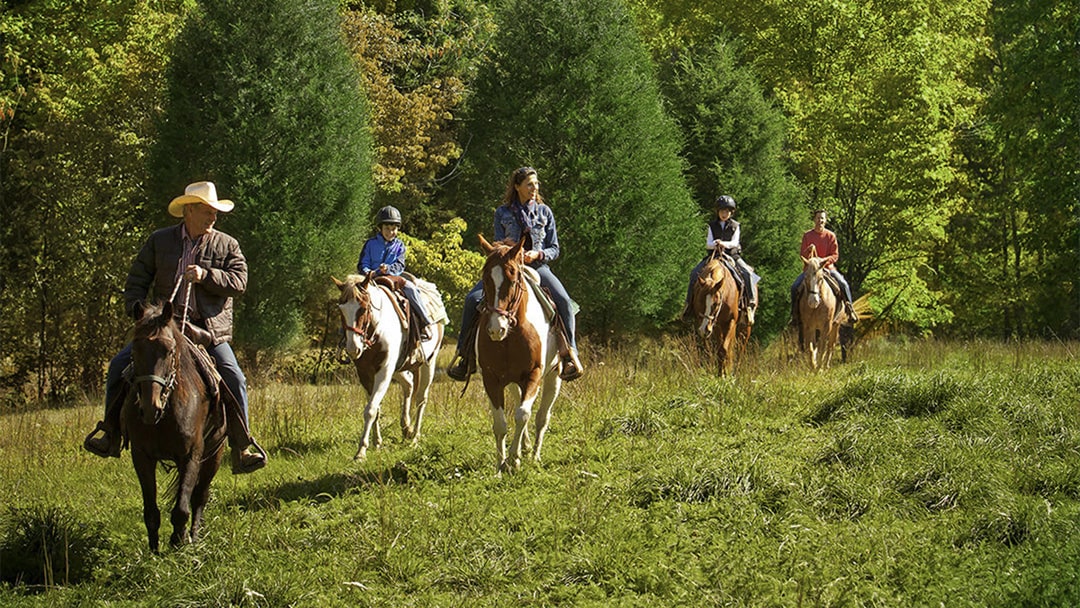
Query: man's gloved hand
{"x": 199, "y": 335}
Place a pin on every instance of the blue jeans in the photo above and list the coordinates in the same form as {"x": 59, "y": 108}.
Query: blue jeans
{"x": 412, "y": 294}
{"x": 548, "y": 280}
{"x": 224, "y": 358}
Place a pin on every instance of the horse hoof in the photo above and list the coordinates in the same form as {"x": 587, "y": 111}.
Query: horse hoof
{"x": 360, "y": 456}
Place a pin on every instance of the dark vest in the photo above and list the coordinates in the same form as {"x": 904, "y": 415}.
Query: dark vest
{"x": 724, "y": 234}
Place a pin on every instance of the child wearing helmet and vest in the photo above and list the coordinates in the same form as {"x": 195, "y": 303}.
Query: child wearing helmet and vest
{"x": 723, "y": 237}
{"x": 384, "y": 255}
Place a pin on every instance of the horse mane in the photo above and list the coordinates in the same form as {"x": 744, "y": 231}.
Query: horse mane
{"x": 157, "y": 322}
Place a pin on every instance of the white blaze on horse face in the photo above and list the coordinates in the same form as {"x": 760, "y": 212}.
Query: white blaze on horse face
{"x": 706, "y": 321}
{"x": 354, "y": 345}
{"x": 498, "y": 325}
{"x": 814, "y": 285}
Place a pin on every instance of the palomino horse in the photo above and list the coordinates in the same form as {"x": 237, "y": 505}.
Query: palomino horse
{"x": 715, "y": 301}
{"x": 376, "y": 340}
{"x": 174, "y": 421}
{"x": 818, "y": 312}
{"x": 516, "y": 346}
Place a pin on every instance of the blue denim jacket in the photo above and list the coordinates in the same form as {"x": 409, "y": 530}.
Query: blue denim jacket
{"x": 542, "y": 223}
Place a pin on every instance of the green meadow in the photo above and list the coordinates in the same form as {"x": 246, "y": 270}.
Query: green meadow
{"x": 916, "y": 474}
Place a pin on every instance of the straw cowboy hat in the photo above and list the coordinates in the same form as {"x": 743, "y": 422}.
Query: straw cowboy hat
{"x": 199, "y": 192}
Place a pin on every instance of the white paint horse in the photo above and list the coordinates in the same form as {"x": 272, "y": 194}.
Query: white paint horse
{"x": 516, "y": 347}
{"x": 818, "y": 312}
{"x": 375, "y": 340}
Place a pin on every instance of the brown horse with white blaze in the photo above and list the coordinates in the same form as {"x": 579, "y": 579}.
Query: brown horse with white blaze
{"x": 715, "y": 302}
{"x": 516, "y": 347}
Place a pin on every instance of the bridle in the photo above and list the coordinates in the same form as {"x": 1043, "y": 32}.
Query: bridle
{"x": 363, "y": 326}
{"x": 514, "y": 300}
{"x": 168, "y": 382}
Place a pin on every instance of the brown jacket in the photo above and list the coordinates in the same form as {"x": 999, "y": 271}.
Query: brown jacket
{"x": 155, "y": 268}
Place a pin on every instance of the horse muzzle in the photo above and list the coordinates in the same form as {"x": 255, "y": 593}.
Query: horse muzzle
{"x": 151, "y": 406}
{"x": 498, "y": 327}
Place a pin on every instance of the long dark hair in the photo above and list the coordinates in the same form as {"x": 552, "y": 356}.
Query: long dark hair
{"x": 519, "y": 175}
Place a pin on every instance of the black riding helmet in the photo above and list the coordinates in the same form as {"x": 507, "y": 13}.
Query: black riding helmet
{"x": 388, "y": 215}
{"x": 725, "y": 202}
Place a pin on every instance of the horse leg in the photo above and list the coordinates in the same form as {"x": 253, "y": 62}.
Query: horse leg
{"x": 810, "y": 345}
{"x": 371, "y": 414}
{"x": 498, "y": 422}
{"x": 529, "y": 391}
{"x": 552, "y": 384}
{"x": 727, "y": 348}
{"x": 200, "y": 495}
{"x": 145, "y": 469}
{"x": 407, "y": 380}
{"x": 421, "y": 392}
{"x": 187, "y": 476}
{"x": 830, "y": 344}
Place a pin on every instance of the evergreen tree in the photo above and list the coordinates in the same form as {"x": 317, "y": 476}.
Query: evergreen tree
{"x": 571, "y": 91}
{"x": 735, "y": 145}
{"x": 265, "y": 101}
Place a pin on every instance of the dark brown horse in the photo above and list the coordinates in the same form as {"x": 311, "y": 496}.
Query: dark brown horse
{"x": 715, "y": 301}
{"x": 516, "y": 347}
{"x": 168, "y": 417}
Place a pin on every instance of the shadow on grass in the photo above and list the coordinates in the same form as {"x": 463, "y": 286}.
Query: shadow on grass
{"x": 420, "y": 465}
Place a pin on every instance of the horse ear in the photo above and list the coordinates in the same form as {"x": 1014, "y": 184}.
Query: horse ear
{"x": 805, "y": 261}
{"x": 167, "y": 310}
{"x": 485, "y": 246}
{"x": 340, "y": 285}
{"x": 138, "y": 310}
{"x": 516, "y": 251}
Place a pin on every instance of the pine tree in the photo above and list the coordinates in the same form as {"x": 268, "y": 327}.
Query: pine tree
{"x": 571, "y": 91}
{"x": 265, "y": 101}
{"x": 735, "y": 145}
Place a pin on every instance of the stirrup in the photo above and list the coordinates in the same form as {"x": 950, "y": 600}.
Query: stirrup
{"x": 459, "y": 369}
{"x": 571, "y": 368}
{"x": 107, "y": 446}
{"x": 253, "y": 462}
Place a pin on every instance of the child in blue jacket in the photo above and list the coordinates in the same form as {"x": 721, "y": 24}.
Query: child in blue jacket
{"x": 384, "y": 254}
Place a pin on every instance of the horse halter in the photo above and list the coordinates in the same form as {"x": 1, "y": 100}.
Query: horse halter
{"x": 168, "y": 383}
{"x": 362, "y": 326}
{"x": 511, "y": 305}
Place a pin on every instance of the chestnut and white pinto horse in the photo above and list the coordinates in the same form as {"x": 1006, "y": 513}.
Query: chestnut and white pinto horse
{"x": 515, "y": 347}
{"x": 818, "y": 311}
{"x": 374, "y": 341}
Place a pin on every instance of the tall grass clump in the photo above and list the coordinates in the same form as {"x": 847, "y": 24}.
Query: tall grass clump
{"x": 48, "y": 546}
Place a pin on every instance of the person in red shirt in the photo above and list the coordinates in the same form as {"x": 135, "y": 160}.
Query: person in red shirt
{"x": 824, "y": 240}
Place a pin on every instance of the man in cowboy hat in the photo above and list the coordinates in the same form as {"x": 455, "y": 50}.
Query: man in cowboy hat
{"x": 201, "y": 269}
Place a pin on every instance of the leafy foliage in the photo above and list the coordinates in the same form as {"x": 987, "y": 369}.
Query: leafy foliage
{"x": 265, "y": 101}
{"x": 415, "y": 68}
{"x": 442, "y": 261}
{"x": 570, "y": 90}
{"x": 80, "y": 84}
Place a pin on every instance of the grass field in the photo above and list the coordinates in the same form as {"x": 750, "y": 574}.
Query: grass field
{"x": 918, "y": 474}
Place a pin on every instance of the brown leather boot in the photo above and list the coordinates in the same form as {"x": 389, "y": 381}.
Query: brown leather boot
{"x": 571, "y": 367}
{"x": 107, "y": 445}
{"x": 249, "y": 459}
